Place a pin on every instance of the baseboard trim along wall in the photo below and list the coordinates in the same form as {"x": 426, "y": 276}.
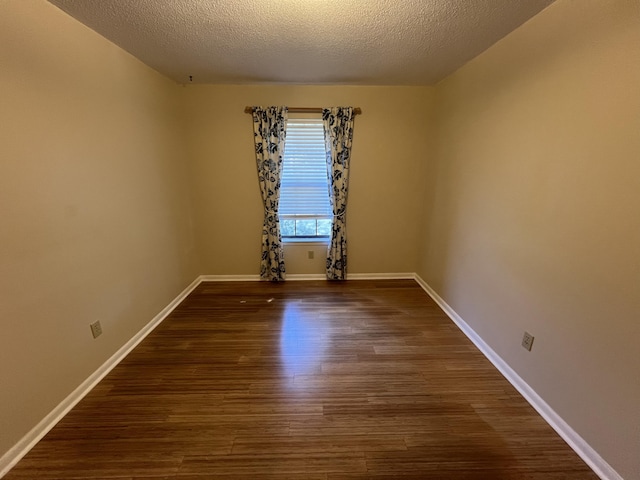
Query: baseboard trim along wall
{"x": 309, "y": 276}
{"x": 256, "y": 278}
{"x": 381, "y": 276}
{"x": 20, "y": 449}
{"x": 228, "y": 278}
{"x": 575, "y": 441}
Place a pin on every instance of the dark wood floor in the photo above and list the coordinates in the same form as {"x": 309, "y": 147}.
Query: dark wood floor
{"x": 304, "y": 380}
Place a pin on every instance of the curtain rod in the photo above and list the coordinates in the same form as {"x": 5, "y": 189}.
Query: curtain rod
{"x": 356, "y": 111}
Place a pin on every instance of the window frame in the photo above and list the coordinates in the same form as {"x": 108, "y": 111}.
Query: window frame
{"x": 307, "y": 239}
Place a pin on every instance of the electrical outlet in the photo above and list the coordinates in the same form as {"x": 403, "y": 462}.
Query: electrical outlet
{"x": 310, "y": 254}
{"x": 527, "y": 340}
{"x": 96, "y": 329}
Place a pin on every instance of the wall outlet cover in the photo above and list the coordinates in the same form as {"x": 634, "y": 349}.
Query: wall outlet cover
{"x": 527, "y": 341}
{"x": 96, "y": 329}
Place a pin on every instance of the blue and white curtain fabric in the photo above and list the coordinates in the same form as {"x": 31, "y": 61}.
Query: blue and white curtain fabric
{"x": 338, "y": 135}
{"x": 269, "y": 131}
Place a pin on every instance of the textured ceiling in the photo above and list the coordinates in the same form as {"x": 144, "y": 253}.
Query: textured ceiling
{"x": 365, "y": 42}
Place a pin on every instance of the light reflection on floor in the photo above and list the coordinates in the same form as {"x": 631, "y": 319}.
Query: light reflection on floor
{"x": 303, "y": 341}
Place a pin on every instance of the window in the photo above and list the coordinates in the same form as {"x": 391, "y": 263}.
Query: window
{"x": 305, "y": 211}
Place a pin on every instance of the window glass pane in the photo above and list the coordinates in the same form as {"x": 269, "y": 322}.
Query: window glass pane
{"x": 287, "y": 228}
{"x": 324, "y": 227}
{"x": 304, "y": 186}
{"x": 306, "y": 228}
{"x": 304, "y": 191}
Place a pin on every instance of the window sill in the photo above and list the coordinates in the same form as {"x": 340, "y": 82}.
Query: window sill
{"x": 306, "y": 241}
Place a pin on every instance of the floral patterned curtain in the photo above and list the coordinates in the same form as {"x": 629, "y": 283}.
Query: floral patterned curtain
{"x": 269, "y": 130}
{"x": 338, "y": 134}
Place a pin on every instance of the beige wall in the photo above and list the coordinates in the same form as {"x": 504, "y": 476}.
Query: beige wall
{"x": 534, "y": 222}
{"x": 390, "y": 151}
{"x": 93, "y": 203}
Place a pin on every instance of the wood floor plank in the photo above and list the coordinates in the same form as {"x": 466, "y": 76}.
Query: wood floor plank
{"x": 304, "y": 380}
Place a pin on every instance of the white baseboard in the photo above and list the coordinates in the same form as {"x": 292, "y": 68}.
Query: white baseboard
{"x": 309, "y": 276}
{"x": 256, "y": 278}
{"x": 575, "y": 441}
{"x": 20, "y": 449}
{"x": 229, "y": 278}
{"x": 381, "y": 276}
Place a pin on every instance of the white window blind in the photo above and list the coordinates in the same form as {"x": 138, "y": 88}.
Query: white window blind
{"x": 304, "y": 187}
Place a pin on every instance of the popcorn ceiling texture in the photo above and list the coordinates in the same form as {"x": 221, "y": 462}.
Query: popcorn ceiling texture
{"x": 364, "y": 42}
